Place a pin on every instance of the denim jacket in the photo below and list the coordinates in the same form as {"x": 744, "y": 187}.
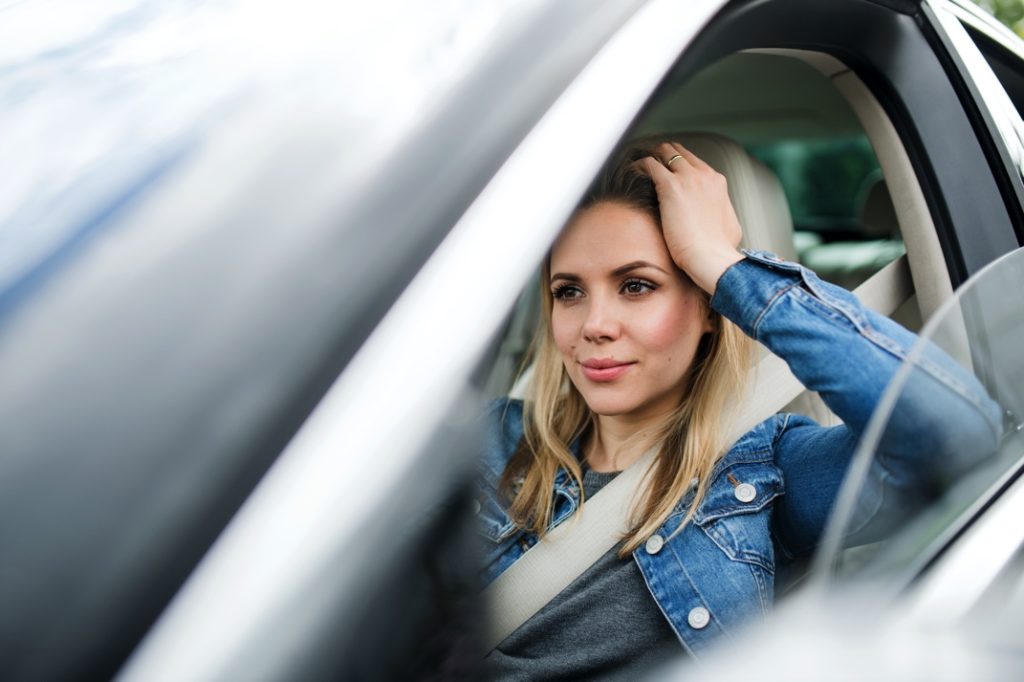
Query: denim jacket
{"x": 772, "y": 491}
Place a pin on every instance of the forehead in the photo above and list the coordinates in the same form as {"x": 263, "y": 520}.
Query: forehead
{"x": 606, "y": 235}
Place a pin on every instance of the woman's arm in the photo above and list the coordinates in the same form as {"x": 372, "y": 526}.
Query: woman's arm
{"x": 942, "y": 424}
{"x": 834, "y": 346}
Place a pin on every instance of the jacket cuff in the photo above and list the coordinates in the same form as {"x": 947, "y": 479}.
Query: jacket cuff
{"x": 747, "y": 289}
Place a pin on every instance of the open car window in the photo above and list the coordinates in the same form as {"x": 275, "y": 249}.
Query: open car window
{"x": 977, "y": 446}
{"x": 791, "y": 117}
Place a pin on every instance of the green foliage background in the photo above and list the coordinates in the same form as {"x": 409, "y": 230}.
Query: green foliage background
{"x": 1010, "y": 12}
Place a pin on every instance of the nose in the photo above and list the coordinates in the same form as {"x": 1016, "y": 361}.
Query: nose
{"x": 601, "y": 324}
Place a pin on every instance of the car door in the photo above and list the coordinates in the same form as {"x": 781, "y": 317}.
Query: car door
{"x": 890, "y": 62}
{"x": 353, "y": 544}
{"x": 205, "y": 212}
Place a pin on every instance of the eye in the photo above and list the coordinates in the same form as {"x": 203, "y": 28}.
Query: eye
{"x": 637, "y": 287}
{"x": 566, "y": 292}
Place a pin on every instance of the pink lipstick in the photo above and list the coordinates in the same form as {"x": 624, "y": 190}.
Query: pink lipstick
{"x": 604, "y": 370}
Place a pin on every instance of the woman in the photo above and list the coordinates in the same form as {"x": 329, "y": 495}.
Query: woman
{"x": 649, "y": 308}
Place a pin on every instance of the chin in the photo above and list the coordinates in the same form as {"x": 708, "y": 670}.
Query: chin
{"x": 609, "y": 406}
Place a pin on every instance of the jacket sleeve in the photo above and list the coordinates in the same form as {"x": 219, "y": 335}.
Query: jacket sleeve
{"x": 943, "y": 420}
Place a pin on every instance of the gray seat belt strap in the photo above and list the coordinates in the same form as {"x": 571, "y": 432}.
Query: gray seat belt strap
{"x": 575, "y": 545}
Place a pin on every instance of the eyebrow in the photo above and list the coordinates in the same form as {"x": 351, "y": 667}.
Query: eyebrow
{"x": 617, "y": 272}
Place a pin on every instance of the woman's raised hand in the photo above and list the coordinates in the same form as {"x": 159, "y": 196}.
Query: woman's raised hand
{"x": 698, "y": 220}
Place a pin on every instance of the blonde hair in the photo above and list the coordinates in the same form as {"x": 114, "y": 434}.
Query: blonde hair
{"x": 555, "y": 413}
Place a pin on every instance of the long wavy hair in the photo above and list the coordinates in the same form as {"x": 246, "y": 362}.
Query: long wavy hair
{"x": 555, "y": 414}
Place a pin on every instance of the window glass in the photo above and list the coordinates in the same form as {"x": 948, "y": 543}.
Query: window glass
{"x": 1008, "y": 67}
{"x": 845, "y": 226}
{"x": 824, "y": 180}
{"x": 789, "y": 115}
{"x": 979, "y": 449}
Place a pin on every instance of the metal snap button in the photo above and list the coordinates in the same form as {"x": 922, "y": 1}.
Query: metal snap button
{"x": 698, "y": 617}
{"x": 654, "y": 544}
{"x": 745, "y": 492}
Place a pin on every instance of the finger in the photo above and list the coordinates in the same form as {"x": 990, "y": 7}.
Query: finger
{"x": 656, "y": 171}
{"x": 670, "y": 157}
{"x": 690, "y": 157}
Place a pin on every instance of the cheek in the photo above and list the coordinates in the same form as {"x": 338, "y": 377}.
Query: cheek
{"x": 563, "y": 330}
{"x": 674, "y": 332}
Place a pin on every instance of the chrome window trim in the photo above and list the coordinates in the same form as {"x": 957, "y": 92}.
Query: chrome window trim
{"x": 983, "y": 22}
{"x": 994, "y": 98}
{"x": 257, "y": 576}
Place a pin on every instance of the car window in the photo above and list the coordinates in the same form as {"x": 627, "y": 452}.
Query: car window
{"x": 1004, "y": 52}
{"x": 828, "y": 170}
{"x": 824, "y": 180}
{"x": 843, "y": 223}
{"x": 977, "y": 449}
{"x": 837, "y": 215}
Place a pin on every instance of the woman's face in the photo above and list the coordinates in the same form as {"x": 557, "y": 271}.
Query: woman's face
{"x": 626, "y": 321}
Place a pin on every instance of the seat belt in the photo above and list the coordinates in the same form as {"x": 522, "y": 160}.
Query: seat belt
{"x": 572, "y": 547}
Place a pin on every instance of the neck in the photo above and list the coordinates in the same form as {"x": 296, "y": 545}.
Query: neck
{"x": 619, "y": 441}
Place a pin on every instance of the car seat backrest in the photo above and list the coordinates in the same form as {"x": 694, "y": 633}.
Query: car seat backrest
{"x": 755, "y": 191}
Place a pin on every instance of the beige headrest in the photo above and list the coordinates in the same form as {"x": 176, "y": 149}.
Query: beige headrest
{"x": 754, "y": 189}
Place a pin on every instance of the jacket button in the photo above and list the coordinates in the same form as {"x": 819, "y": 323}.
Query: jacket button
{"x": 654, "y": 544}
{"x": 698, "y": 617}
{"x": 745, "y": 492}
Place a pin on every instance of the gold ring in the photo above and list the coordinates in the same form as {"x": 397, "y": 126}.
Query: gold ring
{"x": 668, "y": 164}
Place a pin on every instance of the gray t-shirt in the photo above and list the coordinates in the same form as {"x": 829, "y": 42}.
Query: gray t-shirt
{"x": 604, "y": 626}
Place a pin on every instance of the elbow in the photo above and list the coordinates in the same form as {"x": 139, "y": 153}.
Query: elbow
{"x": 937, "y": 433}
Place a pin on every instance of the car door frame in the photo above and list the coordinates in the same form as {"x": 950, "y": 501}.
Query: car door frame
{"x": 221, "y": 627}
{"x": 186, "y": 638}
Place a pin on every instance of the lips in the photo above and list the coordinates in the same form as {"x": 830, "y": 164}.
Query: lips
{"x": 603, "y": 370}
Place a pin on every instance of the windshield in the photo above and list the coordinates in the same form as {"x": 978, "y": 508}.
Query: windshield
{"x": 967, "y": 451}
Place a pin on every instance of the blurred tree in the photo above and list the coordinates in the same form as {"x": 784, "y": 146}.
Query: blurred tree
{"x": 1010, "y": 12}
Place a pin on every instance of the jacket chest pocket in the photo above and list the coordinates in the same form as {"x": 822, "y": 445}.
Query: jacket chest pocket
{"x": 504, "y": 542}
{"x": 495, "y": 523}
{"x": 492, "y": 520}
{"x": 736, "y": 513}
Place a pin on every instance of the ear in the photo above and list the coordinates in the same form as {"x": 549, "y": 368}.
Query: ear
{"x": 712, "y": 321}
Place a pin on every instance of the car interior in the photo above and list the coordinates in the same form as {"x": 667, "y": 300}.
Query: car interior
{"x": 186, "y": 481}
{"x": 786, "y": 127}
{"x": 819, "y": 174}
